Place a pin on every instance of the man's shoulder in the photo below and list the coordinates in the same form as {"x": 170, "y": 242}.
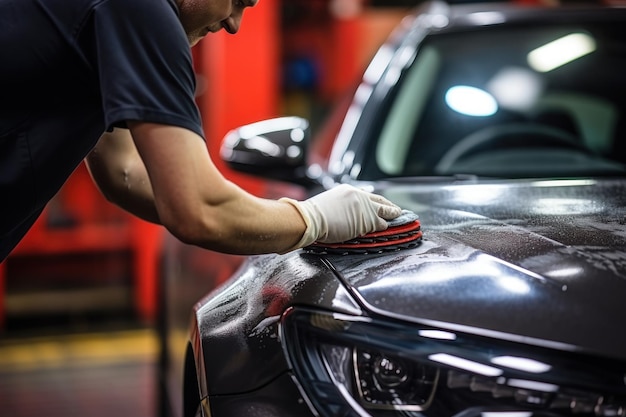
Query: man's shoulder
{"x": 134, "y": 4}
{"x": 83, "y": 6}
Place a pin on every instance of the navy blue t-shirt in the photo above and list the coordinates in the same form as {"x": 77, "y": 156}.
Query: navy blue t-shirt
{"x": 71, "y": 69}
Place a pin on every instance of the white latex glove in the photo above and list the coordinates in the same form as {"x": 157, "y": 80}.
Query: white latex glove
{"x": 343, "y": 213}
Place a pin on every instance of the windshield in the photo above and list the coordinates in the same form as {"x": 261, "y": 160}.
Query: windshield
{"x": 540, "y": 101}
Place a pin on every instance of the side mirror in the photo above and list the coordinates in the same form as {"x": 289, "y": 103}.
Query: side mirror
{"x": 273, "y": 149}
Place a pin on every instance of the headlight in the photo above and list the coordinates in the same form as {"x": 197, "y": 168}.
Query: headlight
{"x": 358, "y": 366}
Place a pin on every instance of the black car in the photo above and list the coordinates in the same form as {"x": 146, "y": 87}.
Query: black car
{"x": 503, "y": 128}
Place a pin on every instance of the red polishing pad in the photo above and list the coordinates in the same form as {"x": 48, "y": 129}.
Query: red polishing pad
{"x": 402, "y": 233}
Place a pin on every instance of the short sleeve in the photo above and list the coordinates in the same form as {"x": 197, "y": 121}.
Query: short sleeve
{"x": 144, "y": 64}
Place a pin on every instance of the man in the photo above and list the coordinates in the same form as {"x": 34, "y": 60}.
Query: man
{"x": 111, "y": 82}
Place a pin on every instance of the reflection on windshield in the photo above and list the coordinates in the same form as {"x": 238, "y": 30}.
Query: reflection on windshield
{"x": 516, "y": 88}
{"x": 533, "y": 102}
{"x": 561, "y": 51}
{"x": 471, "y": 101}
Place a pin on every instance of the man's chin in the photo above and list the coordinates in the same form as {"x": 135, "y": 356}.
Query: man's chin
{"x": 193, "y": 40}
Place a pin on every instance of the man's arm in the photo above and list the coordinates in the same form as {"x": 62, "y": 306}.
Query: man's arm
{"x": 168, "y": 177}
{"x": 120, "y": 174}
{"x": 199, "y": 206}
{"x": 193, "y": 199}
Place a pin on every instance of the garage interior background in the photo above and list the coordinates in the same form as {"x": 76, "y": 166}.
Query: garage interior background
{"x": 90, "y": 270}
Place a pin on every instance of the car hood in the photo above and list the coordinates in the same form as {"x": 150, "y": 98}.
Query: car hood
{"x": 541, "y": 262}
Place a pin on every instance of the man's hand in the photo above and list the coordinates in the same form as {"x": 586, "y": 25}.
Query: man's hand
{"x": 343, "y": 213}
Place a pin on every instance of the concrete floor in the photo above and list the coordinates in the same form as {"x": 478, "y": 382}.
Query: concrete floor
{"x": 96, "y": 374}
{"x": 73, "y": 343}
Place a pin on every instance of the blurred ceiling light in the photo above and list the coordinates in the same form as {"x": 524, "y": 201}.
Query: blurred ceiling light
{"x": 533, "y": 385}
{"x": 482, "y": 195}
{"x": 563, "y": 183}
{"x": 271, "y": 125}
{"x": 437, "y": 19}
{"x": 515, "y": 88}
{"x": 377, "y": 66}
{"x": 297, "y": 135}
{"x": 263, "y": 145}
{"x": 523, "y": 364}
{"x": 561, "y": 51}
{"x": 293, "y": 152}
{"x": 437, "y": 334}
{"x": 565, "y": 206}
{"x": 465, "y": 364}
{"x": 565, "y": 272}
{"x": 514, "y": 285}
{"x": 471, "y": 101}
{"x": 486, "y": 18}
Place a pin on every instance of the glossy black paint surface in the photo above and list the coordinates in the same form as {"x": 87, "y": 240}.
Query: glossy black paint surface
{"x": 278, "y": 398}
{"x": 543, "y": 260}
{"x": 239, "y": 323}
{"x": 549, "y": 273}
